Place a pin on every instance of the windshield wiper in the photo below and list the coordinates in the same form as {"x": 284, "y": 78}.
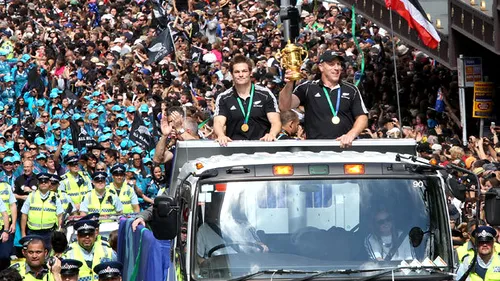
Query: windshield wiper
{"x": 271, "y": 271}
{"x": 366, "y": 278}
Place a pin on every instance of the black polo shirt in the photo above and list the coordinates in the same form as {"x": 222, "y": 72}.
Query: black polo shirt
{"x": 263, "y": 102}
{"x": 318, "y": 115}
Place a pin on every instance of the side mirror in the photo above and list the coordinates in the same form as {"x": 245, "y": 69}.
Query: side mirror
{"x": 416, "y": 236}
{"x": 492, "y": 206}
{"x": 164, "y": 222}
{"x": 458, "y": 190}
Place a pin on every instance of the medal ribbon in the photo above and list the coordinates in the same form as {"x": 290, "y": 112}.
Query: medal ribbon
{"x": 330, "y": 101}
{"x": 247, "y": 115}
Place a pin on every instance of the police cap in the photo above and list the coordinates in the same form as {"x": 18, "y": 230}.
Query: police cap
{"x": 55, "y": 178}
{"x": 43, "y": 177}
{"x": 72, "y": 160}
{"x": 108, "y": 269}
{"x": 26, "y": 240}
{"x": 70, "y": 267}
{"x": 485, "y": 233}
{"x": 99, "y": 176}
{"x": 118, "y": 169}
{"x": 86, "y": 226}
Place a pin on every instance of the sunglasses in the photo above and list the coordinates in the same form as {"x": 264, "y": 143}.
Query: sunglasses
{"x": 86, "y": 234}
{"x": 383, "y": 221}
{"x": 45, "y": 116}
{"x": 43, "y": 181}
{"x": 99, "y": 181}
{"x": 54, "y": 182}
{"x": 8, "y": 136}
{"x": 32, "y": 148}
{"x": 8, "y": 164}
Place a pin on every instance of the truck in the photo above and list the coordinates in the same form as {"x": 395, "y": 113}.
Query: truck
{"x": 307, "y": 210}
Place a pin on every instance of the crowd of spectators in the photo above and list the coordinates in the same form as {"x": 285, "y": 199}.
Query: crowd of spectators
{"x": 68, "y": 67}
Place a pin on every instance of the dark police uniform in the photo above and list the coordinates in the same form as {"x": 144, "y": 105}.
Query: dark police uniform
{"x": 263, "y": 102}
{"x": 345, "y": 99}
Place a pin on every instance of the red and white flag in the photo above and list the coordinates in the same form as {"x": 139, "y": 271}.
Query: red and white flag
{"x": 417, "y": 19}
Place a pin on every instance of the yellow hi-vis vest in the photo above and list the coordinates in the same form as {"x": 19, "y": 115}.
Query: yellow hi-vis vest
{"x": 21, "y": 268}
{"x": 104, "y": 208}
{"x": 42, "y": 214}
{"x": 74, "y": 191}
{"x": 125, "y": 196}
{"x": 102, "y": 253}
{"x": 4, "y": 196}
{"x": 64, "y": 200}
{"x": 468, "y": 249}
{"x": 492, "y": 273}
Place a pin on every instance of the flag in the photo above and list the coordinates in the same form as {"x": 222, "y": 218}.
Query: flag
{"x": 140, "y": 134}
{"x": 416, "y": 17}
{"x": 160, "y": 18}
{"x": 439, "y": 106}
{"x": 161, "y": 46}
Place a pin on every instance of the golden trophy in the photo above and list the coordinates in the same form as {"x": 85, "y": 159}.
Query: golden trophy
{"x": 291, "y": 58}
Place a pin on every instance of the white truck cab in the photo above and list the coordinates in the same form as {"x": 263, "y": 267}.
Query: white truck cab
{"x": 308, "y": 209}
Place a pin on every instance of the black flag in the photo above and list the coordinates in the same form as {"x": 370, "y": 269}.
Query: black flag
{"x": 160, "y": 18}
{"x": 161, "y": 46}
{"x": 140, "y": 134}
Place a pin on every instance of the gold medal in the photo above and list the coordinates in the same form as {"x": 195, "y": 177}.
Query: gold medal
{"x": 244, "y": 128}
{"x": 335, "y": 120}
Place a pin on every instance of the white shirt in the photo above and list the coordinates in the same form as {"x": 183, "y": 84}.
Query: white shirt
{"x": 378, "y": 248}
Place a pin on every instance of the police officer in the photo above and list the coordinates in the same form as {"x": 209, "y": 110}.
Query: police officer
{"x": 109, "y": 271}
{"x": 9, "y": 202}
{"x": 334, "y": 109}
{"x": 70, "y": 269}
{"x": 467, "y": 249}
{"x": 75, "y": 183}
{"x": 87, "y": 250}
{"x": 487, "y": 266}
{"x": 5, "y": 248}
{"x": 126, "y": 193}
{"x": 42, "y": 211}
{"x": 63, "y": 196}
{"x": 101, "y": 200}
{"x": 35, "y": 267}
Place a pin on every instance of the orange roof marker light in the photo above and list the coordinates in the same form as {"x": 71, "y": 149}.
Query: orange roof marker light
{"x": 220, "y": 187}
{"x": 283, "y": 170}
{"x": 199, "y": 166}
{"x": 354, "y": 169}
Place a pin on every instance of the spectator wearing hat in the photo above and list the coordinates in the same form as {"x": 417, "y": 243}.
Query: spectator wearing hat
{"x": 87, "y": 249}
{"x": 8, "y": 95}
{"x": 75, "y": 183}
{"x": 7, "y": 174}
{"x": 20, "y": 76}
{"x": 334, "y": 109}
{"x": 101, "y": 200}
{"x": 70, "y": 269}
{"x": 125, "y": 193}
{"x": 36, "y": 266}
{"x": 247, "y": 111}
{"x": 55, "y": 137}
{"x": 488, "y": 260}
{"x": 109, "y": 271}
{"x": 42, "y": 211}
{"x": 94, "y": 129}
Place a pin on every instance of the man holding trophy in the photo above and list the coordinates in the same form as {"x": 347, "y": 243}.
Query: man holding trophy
{"x": 334, "y": 109}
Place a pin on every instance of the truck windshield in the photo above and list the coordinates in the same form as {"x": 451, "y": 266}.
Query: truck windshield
{"x": 316, "y": 225}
